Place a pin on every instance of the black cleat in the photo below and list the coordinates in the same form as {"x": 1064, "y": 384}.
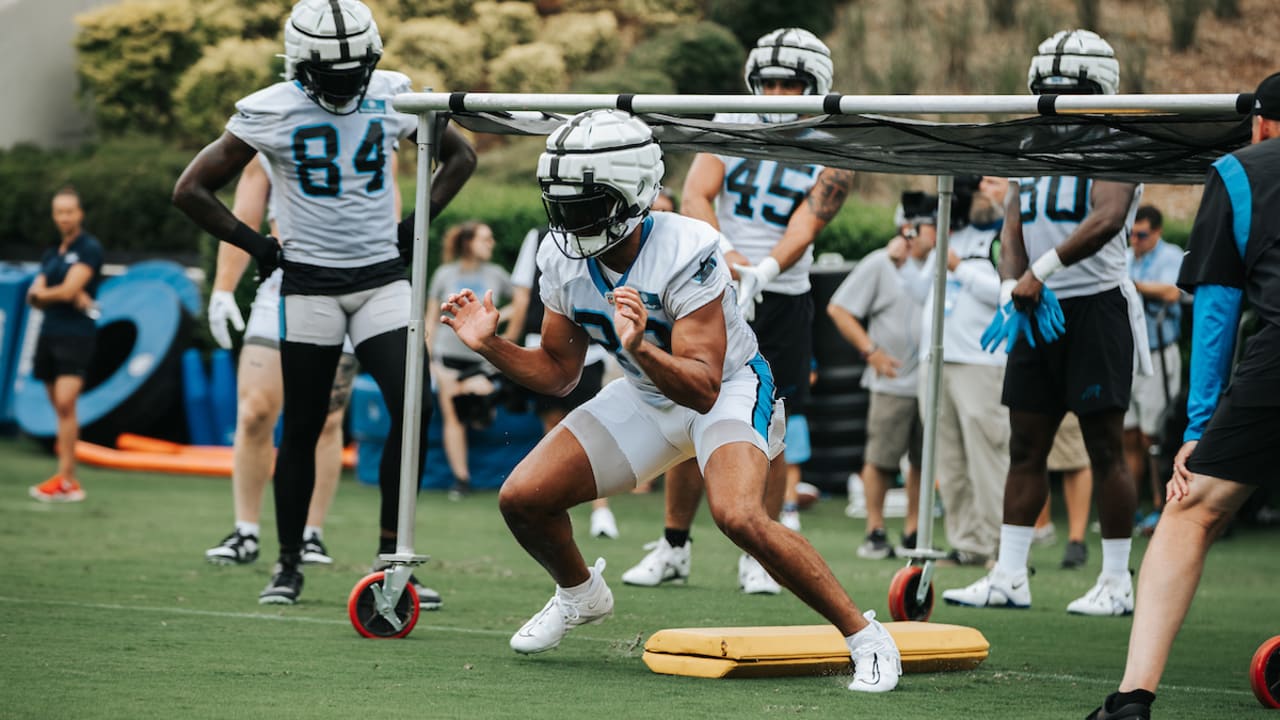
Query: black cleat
{"x": 1130, "y": 711}
{"x": 235, "y": 549}
{"x": 285, "y": 585}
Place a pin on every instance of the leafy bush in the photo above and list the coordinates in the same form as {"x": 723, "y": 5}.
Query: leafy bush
{"x": 207, "y": 92}
{"x": 505, "y": 24}
{"x": 749, "y": 19}
{"x": 588, "y": 41}
{"x": 623, "y": 79}
{"x": 457, "y": 10}
{"x": 125, "y": 185}
{"x": 1183, "y": 16}
{"x": 699, "y": 58}
{"x": 130, "y": 57}
{"x": 438, "y": 44}
{"x": 536, "y": 67}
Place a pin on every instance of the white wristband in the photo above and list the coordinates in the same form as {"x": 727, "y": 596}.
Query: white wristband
{"x": 1046, "y": 265}
{"x": 1006, "y": 291}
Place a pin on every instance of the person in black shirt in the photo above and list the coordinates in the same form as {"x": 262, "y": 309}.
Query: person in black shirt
{"x": 64, "y": 290}
{"x": 1229, "y": 447}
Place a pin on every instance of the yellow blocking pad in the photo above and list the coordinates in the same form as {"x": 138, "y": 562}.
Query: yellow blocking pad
{"x": 804, "y": 650}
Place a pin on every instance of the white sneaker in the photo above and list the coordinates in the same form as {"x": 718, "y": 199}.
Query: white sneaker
{"x": 994, "y": 590}
{"x": 1046, "y": 535}
{"x": 563, "y": 613}
{"x": 1112, "y": 595}
{"x": 877, "y": 664}
{"x": 603, "y": 523}
{"x": 790, "y": 519}
{"x": 663, "y": 564}
{"x": 754, "y": 579}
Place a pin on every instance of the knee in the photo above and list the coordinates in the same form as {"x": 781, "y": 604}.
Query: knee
{"x": 65, "y": 408}
{"x": 257, "y": 413}
{"x": 1211, "y": 520}
{"x": 1027, "y": 453}
{"x": 332, "y": 429}
{"x": 517, "y": 502}
{"x": 740, "y": 523}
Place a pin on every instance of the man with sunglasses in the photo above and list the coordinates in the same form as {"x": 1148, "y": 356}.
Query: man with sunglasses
{"x": 1153, "y": 266}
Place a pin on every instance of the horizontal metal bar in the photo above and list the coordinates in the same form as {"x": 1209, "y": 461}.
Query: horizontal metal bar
{"x": 817, "y": 105}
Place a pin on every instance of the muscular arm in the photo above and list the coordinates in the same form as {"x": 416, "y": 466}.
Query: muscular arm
{"x": 1111, "y": 202}
{"x": 554, "y": 368}
{"x": 457, "y": 162}
{"x": 210, "y": 170}
{"x": 1013, "y": 250}
{"x": 701, "y": 186}
{"x": 691, "y": 373}
{"x": 250, "y": 207}
{"x": 823, "y": 203}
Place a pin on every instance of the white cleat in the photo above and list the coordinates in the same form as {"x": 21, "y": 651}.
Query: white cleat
{"x": 877, "y": 664}
{"x": 562, "y": 613}
{"x": 994, "y": 590}
{"x": 1111, "y": 596}
{"x": 663, "y": 564}
{"x": 754, "y": 579}
{"x": 603, "y": 523}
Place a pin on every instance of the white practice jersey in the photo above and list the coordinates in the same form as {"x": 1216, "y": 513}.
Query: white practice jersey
{"x": 1052, "y": 209}
{"x": 756, "y": 203}
{"x": 679, "y": 270}
{"x": 331, "y": 178}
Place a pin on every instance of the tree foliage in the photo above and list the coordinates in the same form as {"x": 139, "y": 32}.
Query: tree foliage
{"x": 207, "y": 92}
{"x": 440, "y": 45}
{"x": 535, "y": 67}
{"x": 749, "y": 19}
{"x": 505, "y": 24}
{"x": 588, "y": 41}
{"x": 699, "y": 58}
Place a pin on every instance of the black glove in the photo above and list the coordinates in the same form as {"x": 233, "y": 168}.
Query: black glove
{"x": 264, "y": 249}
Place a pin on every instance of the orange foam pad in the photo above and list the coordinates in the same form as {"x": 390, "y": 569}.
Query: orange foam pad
{"x": 805, "y": 650}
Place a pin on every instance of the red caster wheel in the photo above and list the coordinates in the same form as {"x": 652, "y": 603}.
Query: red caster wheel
{"x": 368, "y": 611}
{"x": 902, "y": 596}
{"x": 1264, "y": 673}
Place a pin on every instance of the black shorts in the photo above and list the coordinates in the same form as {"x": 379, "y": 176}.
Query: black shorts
{"x": 59, "y": 355}
{"x": 1088, "y": 370}
{"x": 784, "y": 329}
{"x": 588, "y": 385}
{"x": 1239, "y": 444}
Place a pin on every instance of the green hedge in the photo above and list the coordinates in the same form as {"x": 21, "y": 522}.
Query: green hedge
{"x": 125, "y": 186}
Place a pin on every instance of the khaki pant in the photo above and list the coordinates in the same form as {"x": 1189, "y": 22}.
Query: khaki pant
{"x": 972, "y": 454}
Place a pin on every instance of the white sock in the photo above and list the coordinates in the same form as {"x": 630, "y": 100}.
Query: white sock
{"x": 247, "y": 528}
{"x": 1115, "y": 556}
{"x": 312, "y": 531}
{"x": 580, "y": 591}
{"x": 866, "y": 634}
{"x": 1015, "y": 547}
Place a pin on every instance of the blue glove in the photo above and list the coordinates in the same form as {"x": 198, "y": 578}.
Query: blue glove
{"x": 1048, "y": 316}
{"x": 1008, "y": 325}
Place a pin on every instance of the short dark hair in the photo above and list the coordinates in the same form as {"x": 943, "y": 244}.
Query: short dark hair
{"x": 68, "y": 189}
{"x": 1152, "y": 215}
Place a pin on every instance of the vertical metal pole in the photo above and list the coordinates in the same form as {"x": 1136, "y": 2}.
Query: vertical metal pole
{"x": 946, "y": 186}
{"x": 415, "y": 352}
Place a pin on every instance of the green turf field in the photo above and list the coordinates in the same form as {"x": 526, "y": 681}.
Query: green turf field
{"x": 107, "y": 610}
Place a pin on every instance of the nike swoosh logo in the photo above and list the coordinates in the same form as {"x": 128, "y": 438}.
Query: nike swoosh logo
{"x": 1018, "y": 586}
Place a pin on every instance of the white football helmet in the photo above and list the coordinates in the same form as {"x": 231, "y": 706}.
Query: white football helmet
{"x": 1074, "y": 62}
{"x": 599, "y": 175}
{"x": 789, "y": 54}
{"x": 331, "y": 47}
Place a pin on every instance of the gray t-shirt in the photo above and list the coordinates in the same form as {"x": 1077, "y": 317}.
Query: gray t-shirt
{"x": 451, "y": 278}
{"x": 874, "y": 292}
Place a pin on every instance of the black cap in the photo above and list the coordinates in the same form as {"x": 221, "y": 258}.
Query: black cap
{"x": 1266, "y": 99}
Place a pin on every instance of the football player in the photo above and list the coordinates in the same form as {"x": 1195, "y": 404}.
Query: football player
{"x": 652, "y": 289}
{"x": 1068, "y": 235}
{"x": 769, "y": 214}
{"x": 328, "y": 131}
{"x": 259, "y": 387}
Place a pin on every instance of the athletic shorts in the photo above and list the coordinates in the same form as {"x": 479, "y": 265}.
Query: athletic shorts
{"x": 1239, "y": 444}
{"x": 61, "y": 355}
{"x": 328, "y": 320}
{"x": 588, "y": 385}
{"x": 627, "y": 440}
{"x": 797, "y": 438}
{"x": 1148, "y": 402}
{"x": 1088, "y": 370}
{"x": 784, "y": 330}
{"x": 893, "y": 430}
{"x": 1068, "y": 452}
{"x": 263, "y": 327}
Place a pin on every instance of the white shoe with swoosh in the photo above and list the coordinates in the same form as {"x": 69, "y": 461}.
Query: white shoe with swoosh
{"x": 563, "y": 613}
{"x": 995, "y": 589}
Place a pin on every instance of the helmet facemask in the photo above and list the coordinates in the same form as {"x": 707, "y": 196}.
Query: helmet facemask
{"x": 588, "y": 219}
{"x": 337, "y": 87}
